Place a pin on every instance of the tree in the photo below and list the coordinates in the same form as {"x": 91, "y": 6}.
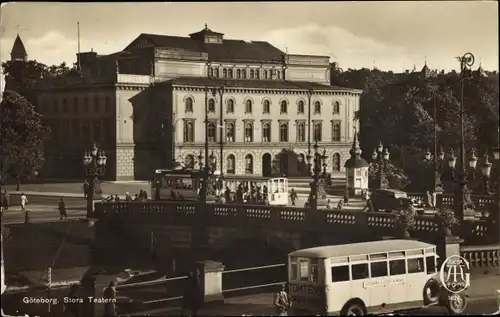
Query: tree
{"x": 22, "y": 138}
{"x": 395, "y": 175}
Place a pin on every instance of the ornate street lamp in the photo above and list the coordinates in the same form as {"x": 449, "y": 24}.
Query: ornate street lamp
{"x": 94, "y": 162}
{"x": 380, "y": 156}
{"x": 472, "y": 161}
{"x": 220, "y": 91}
{"x": 313, "y": 197}
{"x": 324, "y": 157}
{"x": 486, "y": 171}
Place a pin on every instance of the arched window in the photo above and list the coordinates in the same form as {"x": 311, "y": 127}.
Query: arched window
{"x": 230, "y": 106}
{"x": 336, "y": 162}
{"x": 189, "y": 161}
{"x": 210, "y": 72}
{"x": 249, "y": 164}
{"x": 264, "y": 74}
{"x": 252, "y": 74}
{"x": 230, "y": 73}
{"x": 244, "y": 73}
{"x": 230, "y": 132}
{"x": 301, "y": 132}
{"x": 283, "y": 107}
{"x": 97, "y": 104}
{"x": 278, "y": 74}
{"x": 224, "y": 73}
{"x": 85, "y": 105}
{"x": 188, "y": 104}
{"x": 248, "y": 132}
{"x": 248, "y": 106}
{"x": 238, "y": 73}
{"x": 216, "y": 72}
{"x": 336, "y": 125}
{"x": 300, "y": 106}
{"x": 188, "y": 131}
{"x": 317, "y": 107}
{"x": 266, "y": 107}
{"x": 231, "y": 163}
{"x": 257, "y": 74}
{"x": 266, "y": 132}
{"x": 212, "y": 132}
{"x": 76, "y": 105}
{"x": 284, "y": 132}
{"x": 336, "y": 107}
{"x": 211, "y": 105}
{"x": 317, "y": 131}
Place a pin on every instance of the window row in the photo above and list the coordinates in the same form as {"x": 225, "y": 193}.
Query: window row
{"x": 383, "y": 268}
{"x": 72, "y": 130}
{"x": 77, "y": 105}
{"x": 248, "y": 131}
{"x": 266, "y": 106}
{"x": 243, "y": 73}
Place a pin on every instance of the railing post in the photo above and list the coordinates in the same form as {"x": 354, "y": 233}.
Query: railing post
{"x": 211, "y": 280}
{"x": 447, "y": 246}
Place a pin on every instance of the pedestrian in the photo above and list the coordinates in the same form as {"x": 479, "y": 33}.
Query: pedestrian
{"x": 62, "y": 209}
{"x": 128, "y": 198}
{"x": 346, "y": 197}
{"x": 193, "y": 294}
{"x": 340, "y": 205}
{"x": 6, "y": 200}
{"x": 136, "y": 198}
{"x": 368, "y": 205}
{"x": 86, "y": 187}
{"x": 110, "y": 297}
{"x": 24, "y": 201}
{"x": 282, "y": 302}
{"x": 117, "y": 199}
{"x": 293, "y": 196}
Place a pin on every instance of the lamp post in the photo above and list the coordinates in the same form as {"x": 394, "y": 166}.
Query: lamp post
{"x": 95, "y": 167}
{"x": 309, "y": 156}
{"x": 381, "y": 156}
{"x": 313, "y": 198}
{"x": 221, "y": 91}
{"x": 174, "y": 141}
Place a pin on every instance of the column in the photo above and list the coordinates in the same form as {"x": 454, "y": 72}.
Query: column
{"x": 211, "y": 280}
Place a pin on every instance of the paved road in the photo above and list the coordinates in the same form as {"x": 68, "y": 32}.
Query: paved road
{"x": 41, "y": 213}
{"x": 239, "y": 306}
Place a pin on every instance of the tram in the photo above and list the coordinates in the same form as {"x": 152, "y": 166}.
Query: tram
{"x": 175, "y": 184}
{"x": 278, "y": 191}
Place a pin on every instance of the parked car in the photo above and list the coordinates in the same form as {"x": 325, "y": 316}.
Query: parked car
{"x": 390, "y": 200}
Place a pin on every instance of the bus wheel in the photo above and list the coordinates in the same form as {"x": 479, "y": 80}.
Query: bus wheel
{"x": 457, "y": 303}
{"x": 353, "y": 309}
{"x": 432, "y": 292}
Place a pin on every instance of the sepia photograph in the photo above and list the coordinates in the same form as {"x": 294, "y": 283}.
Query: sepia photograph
{"x": 249, "y": 158}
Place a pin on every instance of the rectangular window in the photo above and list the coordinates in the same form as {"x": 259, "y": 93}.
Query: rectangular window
{"x": 293, "y": 271}
{"x": 340, "y": 273}
{"x": 360, "y": 271}
{"x": 304, "y": 270}
{"x": 397, "y": 267}
{"x": 379, "y": 269}
{"x": 415, "y": 265}
{"x": 430, "y": 262}
{"x": 336, "y": 131}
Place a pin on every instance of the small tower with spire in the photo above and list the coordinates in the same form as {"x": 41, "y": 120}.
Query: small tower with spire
{"x": 18, "y": 52}
{"x": 356, "y": 169}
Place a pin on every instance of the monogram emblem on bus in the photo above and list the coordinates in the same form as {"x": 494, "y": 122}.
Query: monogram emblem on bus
{"x": 455, "y": 274}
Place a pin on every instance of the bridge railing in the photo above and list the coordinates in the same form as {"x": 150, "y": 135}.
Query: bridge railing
{"x": 474, "y": 231}
{"x": 482, "y": 257}
{"x": 139, "y": 296}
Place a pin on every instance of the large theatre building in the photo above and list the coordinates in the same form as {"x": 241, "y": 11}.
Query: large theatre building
{"x": 145, "y": 106}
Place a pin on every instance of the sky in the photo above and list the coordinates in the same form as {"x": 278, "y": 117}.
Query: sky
{"x": 388, "y": 35}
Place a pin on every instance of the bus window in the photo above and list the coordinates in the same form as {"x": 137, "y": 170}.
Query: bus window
{"x": 304, "y": 270}
{"x": 415, "y": 265}
{"x": 340, "y": 273}
{"x": 314, "y": 271}
{"x": 379, "y": 269}
{"x": 430, "y": 262}
{"x": 397, "y": 267}
{"x": 293, "y": 269}
{"x": 359, "y": 271}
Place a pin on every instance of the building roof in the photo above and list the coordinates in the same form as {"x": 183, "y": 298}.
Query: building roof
{"x": 257, "y": 83}
{"x": 227, "y": 50}
{"x": 363, "y": 248}
{"x": 18, "y": 49}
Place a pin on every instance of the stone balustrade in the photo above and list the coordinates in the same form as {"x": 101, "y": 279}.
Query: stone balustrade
{"x": 482, "y": 257}
{"x": 371, "y": 224}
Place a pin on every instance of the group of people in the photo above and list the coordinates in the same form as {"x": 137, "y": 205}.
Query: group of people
{"x": 141, "y": 196}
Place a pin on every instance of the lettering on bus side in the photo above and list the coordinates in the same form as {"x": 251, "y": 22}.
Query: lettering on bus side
{"x": 305, "y": 289}
{"x": 384, "y": 282}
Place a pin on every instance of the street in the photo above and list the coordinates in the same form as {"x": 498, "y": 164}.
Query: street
{"x": 41, "y": 213}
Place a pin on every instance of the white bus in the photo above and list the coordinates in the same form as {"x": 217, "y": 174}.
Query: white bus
{"x": 367, "y": 278}
{"x": 277, "y": 189}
